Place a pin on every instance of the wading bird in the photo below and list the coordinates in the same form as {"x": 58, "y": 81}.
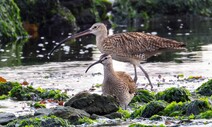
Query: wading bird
{"x": 116, "y": 83}
{"x": 132, "y": 47}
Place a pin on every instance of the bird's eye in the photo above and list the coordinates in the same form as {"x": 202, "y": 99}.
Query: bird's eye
{"x": 95, "y": 27}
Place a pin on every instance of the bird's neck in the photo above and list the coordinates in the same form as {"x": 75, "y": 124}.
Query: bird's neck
{"x": 100, "y": 39}
{"x": 109, "y": 72}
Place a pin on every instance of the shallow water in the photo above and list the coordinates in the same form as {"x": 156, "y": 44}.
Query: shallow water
{"x": 70, "y": 75}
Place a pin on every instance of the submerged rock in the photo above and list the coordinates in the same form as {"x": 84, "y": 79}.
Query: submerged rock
{"x": 6, "y": 118}
{"x": 173, "y": 94}
{"x": 205, "y": 89}
{"x": 69, "y": 113}
{"x": 94, "y": 103}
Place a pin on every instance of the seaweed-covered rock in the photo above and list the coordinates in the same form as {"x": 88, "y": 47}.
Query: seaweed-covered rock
{"x": 29, "y": 93}
{"x": 149, "y": 109}
{"x": 143, "y": 96}
{"x": 10, "y": 21}
{"x": 7, "y": 86}
{"x": 205, "y": 89}
{"x": 44, "y": 121}
{"x": 173, "y": 109}
{"x": 23, "y": 93}
{"x": 195, "y": 107}
{"x": 6, "y": 118}
{"x": 187, "y": 108}
{"x": 94, "y": 103}
{"x": 69, "y": 113}
{"x": 173, "y": 94}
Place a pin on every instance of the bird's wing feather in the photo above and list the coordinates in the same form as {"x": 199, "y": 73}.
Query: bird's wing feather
{"x": 137, "y": 43}
{"x": 127, "y": 80}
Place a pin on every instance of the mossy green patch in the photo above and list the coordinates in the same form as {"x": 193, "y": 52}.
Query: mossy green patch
{"x": 205, "y": 89}
{"x": 143, "y": 96}
{"x": 44, "y": 121}
{"x": 2, "y": 97}
{"x": 86, "y": 120}
{"x": 174, "y": 94}
{"x": 39, "y": 105}
{"x": 10, "y": 21}
{"x": 125, "y": 113}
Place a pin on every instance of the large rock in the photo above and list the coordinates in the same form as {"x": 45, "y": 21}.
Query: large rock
{"x": 94, "y": 103}
{"x": 72, "y": 114}
{"x": 6, "y": 118}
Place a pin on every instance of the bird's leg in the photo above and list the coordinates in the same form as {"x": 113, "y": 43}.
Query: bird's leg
{"x": 147, "y": 76}
{"x": 135, "y": 78}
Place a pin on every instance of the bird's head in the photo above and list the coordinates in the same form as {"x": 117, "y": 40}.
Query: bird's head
{"x": 96, "y": 29}
{"x": 104, "y": 59}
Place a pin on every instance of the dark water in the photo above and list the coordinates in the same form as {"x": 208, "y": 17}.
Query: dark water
{"x": 192, "y": 30}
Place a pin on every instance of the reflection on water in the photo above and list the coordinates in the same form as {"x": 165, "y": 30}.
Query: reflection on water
{"x": 194, "y": 31}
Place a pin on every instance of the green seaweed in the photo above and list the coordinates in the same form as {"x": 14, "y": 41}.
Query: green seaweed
{"x": 174, "y": 94}
{"x": 143, "y": 96}
{"x": 3, "y": 97}
{"x": 125, "y": 113}
{"x": 10, "y": 21}
{"x": 205, "y": 89}
{"x": 7, "y": 86}
{"x": 39, "y": 105}
{"x": 86, "y": 120}
{"x": 44, "y": 121}
{"x": 150, "y": 109}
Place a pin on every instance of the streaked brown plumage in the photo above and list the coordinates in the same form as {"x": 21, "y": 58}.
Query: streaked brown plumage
{"x": 116, "y": 83}
{"x": 132, "y": 47}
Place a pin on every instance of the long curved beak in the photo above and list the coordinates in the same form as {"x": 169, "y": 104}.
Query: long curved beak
{"x": 99, "y": 61}
{"x": 88, "y": 31}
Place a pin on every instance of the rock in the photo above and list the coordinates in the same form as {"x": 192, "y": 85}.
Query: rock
{"x": 44, "y": 121}
{"x": 6, "y": 118}
{"x": 143, "y": 96}
{"x": 173, "y": 94}
{"x": 43, "y": 111}
{"x": 205, "y": 89}
{"x": 195, "y": 107}
{"x": 114, "y": 115}
{"x": 94, "y": 103}
{"x": 152, "y": 108}
{"x": 72, "y": 114}
{"x": 10, "y": 29}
